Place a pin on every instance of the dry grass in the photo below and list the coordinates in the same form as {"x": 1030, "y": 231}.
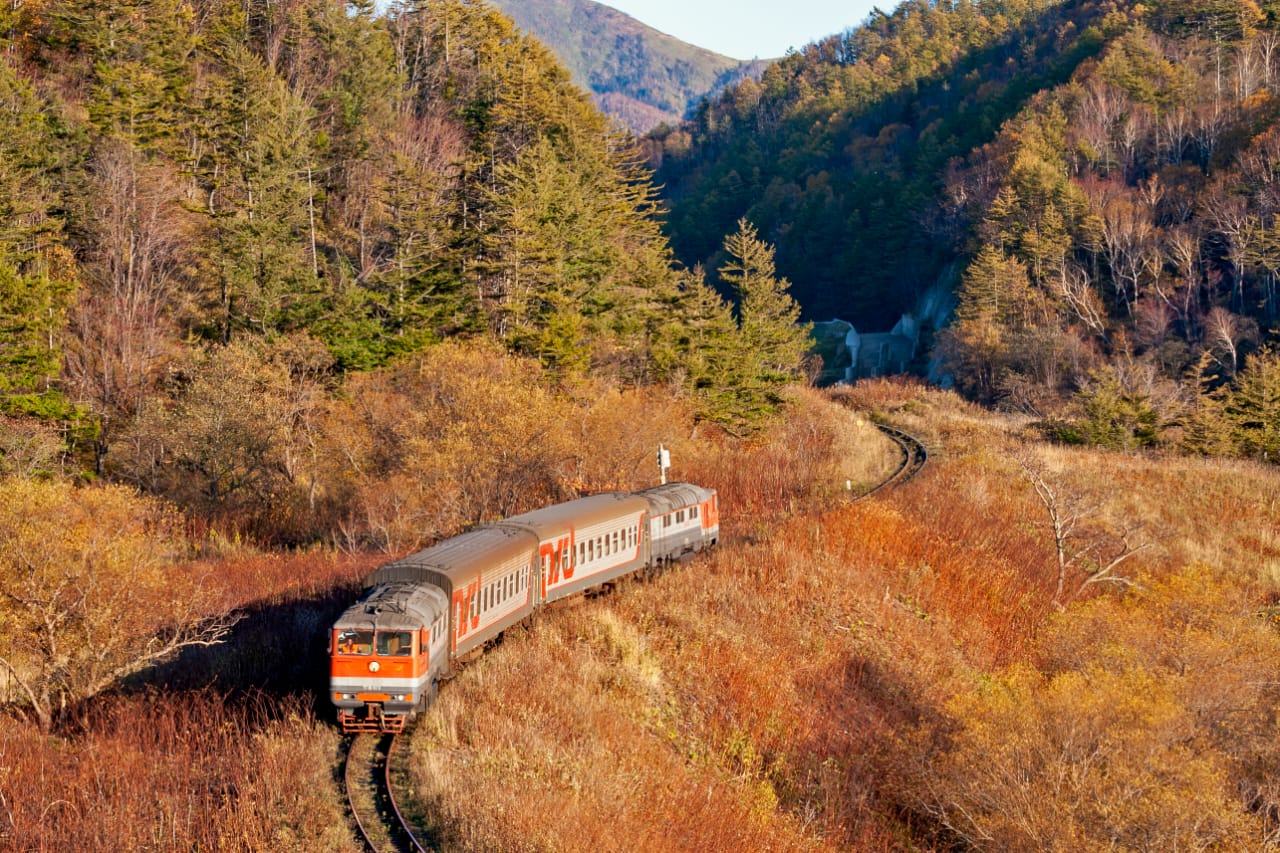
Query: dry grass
{"x": 767, "y": 697}
{"x": 221, "y": 750}
{"x": 770, "y": 696}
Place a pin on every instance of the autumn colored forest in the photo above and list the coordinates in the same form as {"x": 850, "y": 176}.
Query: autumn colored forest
{"x": 289, "y": 289}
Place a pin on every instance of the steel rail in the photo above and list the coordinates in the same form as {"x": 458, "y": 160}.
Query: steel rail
{"x": 405, "y": 828}
{"x": 394, "y": 827}
{"x": 914, "y": 456}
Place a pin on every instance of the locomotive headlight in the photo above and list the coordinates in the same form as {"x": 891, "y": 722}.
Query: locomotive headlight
{"x": 374, "y": 666}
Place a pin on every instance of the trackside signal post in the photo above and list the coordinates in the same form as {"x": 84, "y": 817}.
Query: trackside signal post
{"x": 664, "y": 462}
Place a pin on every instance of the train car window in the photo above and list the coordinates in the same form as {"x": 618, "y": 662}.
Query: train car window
{"x": 395, "y": 643}
{"x": 591, "y": 549}
{"x": 617, "y": 542}
{"x": 694, "y": 512}
{"x": 582, "y": 547}
{"x": 355, "y": 642}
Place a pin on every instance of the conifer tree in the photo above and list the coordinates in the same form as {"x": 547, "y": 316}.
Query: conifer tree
{"x": 993, "y": 293}
{"x": 1254, "y": 406}
{"x": 770, "y": 343}
{"x": 259, "y": 199}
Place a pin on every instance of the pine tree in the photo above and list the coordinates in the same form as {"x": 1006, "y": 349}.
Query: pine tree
{"x": 767, "y": 352}
{"x": 260, "y": 200}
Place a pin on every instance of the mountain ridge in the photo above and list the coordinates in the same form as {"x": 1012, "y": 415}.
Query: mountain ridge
{"x": 639, "y": 76}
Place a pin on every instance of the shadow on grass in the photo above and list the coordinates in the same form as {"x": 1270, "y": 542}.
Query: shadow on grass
{"x": 277, "y": 649}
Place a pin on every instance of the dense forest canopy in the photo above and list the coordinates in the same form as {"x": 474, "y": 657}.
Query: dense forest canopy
{"x": 326, "y": 189}
{"x": 318, "y": 187}
{"x": 1094, "y": 180}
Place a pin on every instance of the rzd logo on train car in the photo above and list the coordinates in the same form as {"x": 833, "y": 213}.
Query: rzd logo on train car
{"x": 466, "y": 603}
{"x": 557, "y": 561}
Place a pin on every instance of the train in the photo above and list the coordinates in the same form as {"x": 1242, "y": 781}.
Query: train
{"x": 421, "y": 616}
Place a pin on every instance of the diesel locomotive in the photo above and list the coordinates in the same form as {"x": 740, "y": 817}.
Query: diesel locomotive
{"x": 421, "y": 615}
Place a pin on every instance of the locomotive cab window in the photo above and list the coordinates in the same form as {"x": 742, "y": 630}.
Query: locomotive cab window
{"x": 395, "y": 643}
{"x": 355, "y": 642}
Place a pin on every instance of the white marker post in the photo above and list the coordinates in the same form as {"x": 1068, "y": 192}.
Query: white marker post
{"x": 664, "y": 462}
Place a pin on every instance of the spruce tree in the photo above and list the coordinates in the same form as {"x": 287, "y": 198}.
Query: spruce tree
{"x": 1254, "y": 406}
{"x": 771, "y": 343}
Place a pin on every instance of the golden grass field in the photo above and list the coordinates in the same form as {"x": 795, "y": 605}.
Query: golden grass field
{"x": 886, "y": 674}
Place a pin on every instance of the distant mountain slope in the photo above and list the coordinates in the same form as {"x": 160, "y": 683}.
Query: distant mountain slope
{"x": 639, "y": 76}
{"x": 839, "y": 154}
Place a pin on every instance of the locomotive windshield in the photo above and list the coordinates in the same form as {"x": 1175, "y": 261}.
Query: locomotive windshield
{"x": 355, "y": 642}
{"x": 395, "y": 643}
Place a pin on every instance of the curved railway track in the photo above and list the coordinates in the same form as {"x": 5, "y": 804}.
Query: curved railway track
{"x": 370, "y": 760}
{"x": 914, "y": 455}
{"x": 368, "y": 770}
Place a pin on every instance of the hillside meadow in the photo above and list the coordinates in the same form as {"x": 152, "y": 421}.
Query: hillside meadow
{"x": 895, "y": 673}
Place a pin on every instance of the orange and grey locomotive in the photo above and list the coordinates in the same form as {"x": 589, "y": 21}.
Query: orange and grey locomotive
{"x": 422, "y": 613}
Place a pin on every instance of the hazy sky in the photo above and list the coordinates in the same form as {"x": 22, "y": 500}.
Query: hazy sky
{"x": 749, "y": 29}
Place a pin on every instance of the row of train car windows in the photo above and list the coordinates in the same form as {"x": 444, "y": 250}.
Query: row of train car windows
{"x": 500, "y": 591}
{"x": 680, "y": 516}
{"x": 606, "y": 545}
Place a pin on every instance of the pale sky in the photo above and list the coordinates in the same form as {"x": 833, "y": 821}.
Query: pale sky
{"x": 749, "y": 29}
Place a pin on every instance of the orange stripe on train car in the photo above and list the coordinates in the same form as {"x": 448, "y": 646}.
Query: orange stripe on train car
{"x": 374, "y": 697}
{"x": 388, "y": 668}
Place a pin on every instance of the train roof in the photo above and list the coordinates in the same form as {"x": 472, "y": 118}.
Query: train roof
{"x": 673, "y": 496}
{"x": 548, "y": 521}
{"x": 395, "y": 607}
{"x": 457, "y": 560}
{"x": 501, "y": 546}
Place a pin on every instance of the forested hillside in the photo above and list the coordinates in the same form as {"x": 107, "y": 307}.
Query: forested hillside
{"x": 252, "y": 200}
{"x": 1095, "y": 179}
{"x": 292, "y": 288}
{"x": 639, "y": 76}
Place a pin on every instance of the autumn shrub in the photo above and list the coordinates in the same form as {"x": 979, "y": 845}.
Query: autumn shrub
{"x": 819, "y": 455}
{"x": 94, "y": 591}
{"x": 233, "y": 440}
{"x": 1148, "y": 725}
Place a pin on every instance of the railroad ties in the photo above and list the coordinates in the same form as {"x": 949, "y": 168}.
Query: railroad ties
{"x": 914, "y": 455}
{"x": 369, "y": 773}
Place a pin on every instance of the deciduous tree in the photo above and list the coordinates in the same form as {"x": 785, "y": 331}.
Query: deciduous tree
{"x": 93, "y": 589}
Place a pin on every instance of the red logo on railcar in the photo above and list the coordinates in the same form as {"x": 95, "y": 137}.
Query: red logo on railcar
{"x": 557, "y": 561}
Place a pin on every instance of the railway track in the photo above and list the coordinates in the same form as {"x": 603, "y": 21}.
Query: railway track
{"x": 369, "y": 766}
{"x": 368, "y": 772}
{"x": 914, "y": 455}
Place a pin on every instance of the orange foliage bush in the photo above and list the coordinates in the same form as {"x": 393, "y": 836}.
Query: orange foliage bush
{"x": 1151, "y": 726}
